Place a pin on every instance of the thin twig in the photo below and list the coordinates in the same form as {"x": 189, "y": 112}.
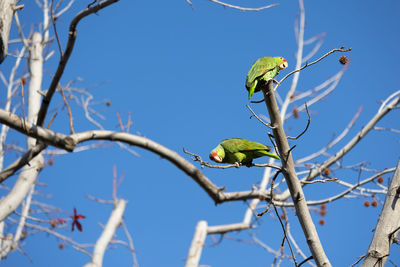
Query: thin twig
{"x": 72, "y": 33}
{"x": 53, "y": 20}
{"x": 23, "y": 105}
{"x": 333, "y": 142}
{"x": 258, "y": 118}
{"x": 130, "y": 242}
{"x": 190, "y": 4}
{"x": 71, "y": 119}
{"x": 99, "y": 200}
{"x": 359, "y": 259}
{"x": 51, "y": 120}
{"x": 241, "y": 8}
{"x": 304, "y": 261}
{"x": 320, "y": 181}
{"x": 308, "y": 124}
{"x": 20, "y": 32}
{"x": 285, "y": 235}
{"x": 205, "y": 163}
{"x": 312, "y": 63}
{"x": 74, "y": 244}
{"x": 271, "y": 194}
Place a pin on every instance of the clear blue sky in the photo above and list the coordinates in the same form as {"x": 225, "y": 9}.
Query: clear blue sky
{"x": 181, "y": 72}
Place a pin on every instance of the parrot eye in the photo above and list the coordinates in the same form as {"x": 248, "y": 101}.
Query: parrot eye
{"x": 284, "y": 65}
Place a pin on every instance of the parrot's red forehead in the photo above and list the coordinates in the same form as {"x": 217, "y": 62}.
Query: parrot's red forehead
{"x": 213, "y": 155}
{"x": 284, "y": 59}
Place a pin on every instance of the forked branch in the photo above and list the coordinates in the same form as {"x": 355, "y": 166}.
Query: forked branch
{"x": 293, "y": 182}
{"x": 72, "y": 33}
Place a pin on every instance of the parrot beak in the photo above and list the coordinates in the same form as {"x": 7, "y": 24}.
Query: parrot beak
{"x": 214, "y": 157}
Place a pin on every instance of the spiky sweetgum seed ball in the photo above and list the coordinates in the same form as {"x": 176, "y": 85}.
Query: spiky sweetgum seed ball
{"x": 380, "y": 179}
{"x": 374, "y": 203}
{"x": 322, "y": 222}
{"x": 343, "y": 60}
{"x": 366, "y": 203}
{"x": 295, "y": 113}
{"x": 323, "y": 206}
{"x": 326, "y": 171}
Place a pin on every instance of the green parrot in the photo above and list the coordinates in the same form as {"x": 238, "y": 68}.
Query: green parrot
{"x": 237, "y": 150}
{"x": 265, "y": 69}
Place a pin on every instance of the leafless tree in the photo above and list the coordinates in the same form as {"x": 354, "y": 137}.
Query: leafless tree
{"x": 281, "y": 186}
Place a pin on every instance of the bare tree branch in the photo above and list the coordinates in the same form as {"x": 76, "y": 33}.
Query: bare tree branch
{"x": 7, "y": 9}
{"x": 370, "y": 125}
{"x": 333, "y": 142}
{"x": 74, "y": 244}
{"x": 72, "y": 33}
{"x": 349, "y": 146}
{"x": 196, "y": 247}
{"x": 204, "y": 163}
{"x": 388, "y": 225}
{"x": 342, "y": 49}
{"x": 20, "y": 162}
{"x": 42, "y": 134}
{"x": 237, "y": 7}
{"x": 29, "y": 173}
{"x": 292, "y": 181}
{"x": 7, "y": 107}
{"x": 108, "y": 232}
{"x": 214, "y": 192}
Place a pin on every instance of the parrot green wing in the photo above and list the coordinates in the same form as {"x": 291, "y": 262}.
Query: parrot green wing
{"x": 252, "y": 88}
{"x": 263, "y": 65}
{"x": 242, "y": 150}
{"x": 240, "y": 145}
{"x": 264, "y": 68}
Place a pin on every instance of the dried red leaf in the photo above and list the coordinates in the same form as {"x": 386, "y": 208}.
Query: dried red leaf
{"x": 75, "y": 221}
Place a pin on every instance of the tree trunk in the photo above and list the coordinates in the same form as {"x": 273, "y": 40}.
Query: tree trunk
{"x": 296, "y": 191}
{"x": 388, "y": 225}
{"x": 7, "y": 8}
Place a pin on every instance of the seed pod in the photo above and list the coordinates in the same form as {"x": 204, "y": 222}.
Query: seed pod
{"x": 343, "y": 60}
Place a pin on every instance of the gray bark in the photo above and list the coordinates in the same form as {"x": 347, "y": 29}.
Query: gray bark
{"x": 293, "y": 182}
{"x": 196, "y": 247}
{"x": 388, "y": 225}
{"x": 7, "y": 8}
{"x": 28, "y": 175}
